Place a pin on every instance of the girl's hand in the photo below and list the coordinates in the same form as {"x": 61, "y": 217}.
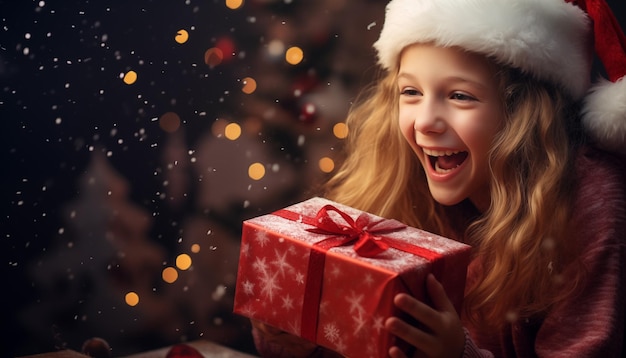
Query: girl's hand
{"x": 444, "y": 336}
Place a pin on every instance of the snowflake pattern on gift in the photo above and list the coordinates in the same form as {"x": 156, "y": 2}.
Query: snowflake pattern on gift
{"x": 331, "y": 332}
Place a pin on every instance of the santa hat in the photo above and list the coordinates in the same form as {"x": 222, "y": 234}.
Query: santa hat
{"x": 548, "y": 39}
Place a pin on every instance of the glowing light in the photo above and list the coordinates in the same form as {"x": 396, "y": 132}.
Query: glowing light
{"x": 340, "y": 130}
{"x": 182, "y": 36}
{"x": 294, "y": 55}
{"x": 130, "y": 77}
{"x": 169, "y": 275}
{"x": 234, "y": 4}
{"x": 132, "y": 299}
{"x": 169, "y": 122}
{"x": 232, "y": 131}
{"x": 276, "y": 48}
{"x": 195, "y": 248}
{"x": 256, "y": 171}
{"x": 326, "y": 165}
{"x": 249, "y": 85}
{"x": 183, "y": 261}
{"x": 213, "y": 56}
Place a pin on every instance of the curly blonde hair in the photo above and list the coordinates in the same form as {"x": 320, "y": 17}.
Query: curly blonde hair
{"x": 520, "y": 241}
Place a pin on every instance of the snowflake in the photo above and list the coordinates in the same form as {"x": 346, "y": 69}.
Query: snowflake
{"x": 379, "y": 323}
{"x": 299, "y": 278}
{"x": 262, "y": 238}
{"x": 245, "y": 249}
{"x": 281, "y": 263}
{"x": 248, "y": 288}
{"x": 359, "y": 324}
{"x": 368, "y": 279}
{"x": 248, "y": 311}
{"x": 294, "y": 327}
{"x": 260, "y": 265}
{"x": 270, "y": 286}
{"x": 287, "y": 302}
{"x": 335, "y": 271}
{"x": 331, "y": 332}
{"x": 356, "y": 303}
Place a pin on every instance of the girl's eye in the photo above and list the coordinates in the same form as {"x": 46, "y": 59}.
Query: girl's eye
{"x": 462, "y": 97}
{"x": 410, "y": 92}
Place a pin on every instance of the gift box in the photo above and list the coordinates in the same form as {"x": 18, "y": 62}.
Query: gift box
{"x": 328, "y": 273}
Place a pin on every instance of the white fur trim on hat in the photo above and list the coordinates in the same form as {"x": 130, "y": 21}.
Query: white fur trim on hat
{"x": 604, "y": 114}
{"x": 548, "y": 39}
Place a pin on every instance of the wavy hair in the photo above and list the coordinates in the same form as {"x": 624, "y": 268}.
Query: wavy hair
{"x": 520, "y": 241}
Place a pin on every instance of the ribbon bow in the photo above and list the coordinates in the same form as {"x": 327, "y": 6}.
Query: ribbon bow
{"x": 363, "y": 230}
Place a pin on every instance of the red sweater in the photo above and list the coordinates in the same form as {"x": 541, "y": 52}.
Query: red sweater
{"x": 591, "y": 324}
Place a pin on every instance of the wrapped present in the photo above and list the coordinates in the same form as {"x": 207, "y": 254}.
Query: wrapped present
{"x": 328, "y": 273}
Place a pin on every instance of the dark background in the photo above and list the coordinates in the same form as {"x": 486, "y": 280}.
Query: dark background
{"x": 98, "y": 196}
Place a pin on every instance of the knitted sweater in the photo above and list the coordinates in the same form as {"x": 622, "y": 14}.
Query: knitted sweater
{"x": 591, "y": 324}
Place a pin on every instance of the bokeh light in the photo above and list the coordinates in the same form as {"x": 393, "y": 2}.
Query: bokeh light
{"x": 249, "y": 85}
{"x": 256, "y": 171}
{"x": 132, "y": 299}
{"x": 195, "y": 248}
{"x": 130, "y": 77}
{"x": 294, "y": 55}
{"x": 169, "y": 275}
{"x": 213, "y": 57}
{"x": 234, "y": 4}
{"x": 169, "y": 122}
{"x": 326, "y": 165}
{"x": 183, "y": 261}
{"x": 182, "y": 36}
{"x": 232, "y": 131}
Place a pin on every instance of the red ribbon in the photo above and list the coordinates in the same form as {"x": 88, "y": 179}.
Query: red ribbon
{"x": 367, "y": 236}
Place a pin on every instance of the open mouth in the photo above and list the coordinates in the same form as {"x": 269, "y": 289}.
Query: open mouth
{"x": 445, "y": 161}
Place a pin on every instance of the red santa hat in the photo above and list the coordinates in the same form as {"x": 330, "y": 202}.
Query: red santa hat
{"x": 548, "y": 39}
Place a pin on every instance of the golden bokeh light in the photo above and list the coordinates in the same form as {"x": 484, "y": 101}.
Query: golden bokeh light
{"x": 340, "y": 130}
{"x": 183, "y": 261}
{"x": 213, "y": 56}
{"x": 195, "y": 248}
{"x": 294, "y": 55}
{"x": 182, "y": 36}
{"x": 169, "y": 122}
{"x": 249, "y": 85}
{"x": 232, "y": 131}
{"x": 326, "y": 165}
{"x": 169, "y": 275}
{"x": 132, "y": 299}
{"x": 256, "y": 171}
{"x": 130, "y": 77}
{"x": 234, "y": 4}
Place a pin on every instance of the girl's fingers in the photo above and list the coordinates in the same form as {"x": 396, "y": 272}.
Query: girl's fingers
{"x": 437, "y": 294}
{"x": 414, "y": 336}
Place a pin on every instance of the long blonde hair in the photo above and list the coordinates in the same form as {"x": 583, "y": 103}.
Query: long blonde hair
{"x": 520, "y": 241}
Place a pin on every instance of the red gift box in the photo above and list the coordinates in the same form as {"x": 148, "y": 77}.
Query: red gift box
{"x": 328, "y": 273}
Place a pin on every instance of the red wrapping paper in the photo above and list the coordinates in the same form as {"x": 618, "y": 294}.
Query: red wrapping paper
{"x": 289, "y": 278}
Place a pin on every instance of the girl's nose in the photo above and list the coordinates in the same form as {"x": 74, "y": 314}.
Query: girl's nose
{"x": 430, "y": 117}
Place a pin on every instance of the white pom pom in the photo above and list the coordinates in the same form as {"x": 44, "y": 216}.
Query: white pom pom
{"x": 604, "y": 114}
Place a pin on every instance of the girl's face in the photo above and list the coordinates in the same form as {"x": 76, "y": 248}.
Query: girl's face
{"x": 450, "y": 111}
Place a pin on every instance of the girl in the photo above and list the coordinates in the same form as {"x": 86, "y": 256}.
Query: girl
{"x": 475, "y": 132}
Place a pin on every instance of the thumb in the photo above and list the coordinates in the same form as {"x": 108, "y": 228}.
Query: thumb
{"x": 437, "y": 294}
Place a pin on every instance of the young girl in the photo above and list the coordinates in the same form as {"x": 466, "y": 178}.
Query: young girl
{"x": 482, "y": 129}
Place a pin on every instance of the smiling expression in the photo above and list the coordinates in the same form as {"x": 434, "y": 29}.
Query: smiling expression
{"x": 450, "y": 112}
